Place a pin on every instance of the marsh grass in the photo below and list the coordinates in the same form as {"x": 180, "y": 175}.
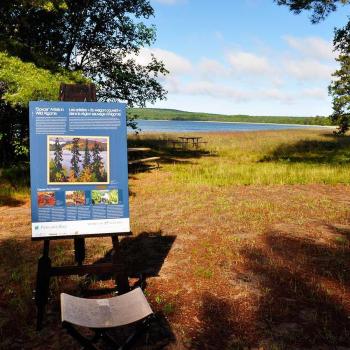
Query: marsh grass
{"x": 264, "y": 158}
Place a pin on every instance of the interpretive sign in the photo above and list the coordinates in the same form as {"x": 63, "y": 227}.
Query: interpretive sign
{"x": 79, "y": 169}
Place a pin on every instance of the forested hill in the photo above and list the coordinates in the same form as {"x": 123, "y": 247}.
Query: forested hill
{"x": 173, "y": 114}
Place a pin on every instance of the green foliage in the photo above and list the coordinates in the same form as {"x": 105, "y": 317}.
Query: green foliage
{"x": 340, "y": 90}
{"x": 96, "y": 197}
{"x": 21, "y": 82}
{"x": 340, "y": 86}
{"x": 98, "y": 37}
{"x": 44, "y": 43}
{"x": 26, "y": 82}
{"x": 56, "y": 175}
{"x": 13, "y": 134}
{"x": 320, "y": 8}
{"x": 113, "y": 197}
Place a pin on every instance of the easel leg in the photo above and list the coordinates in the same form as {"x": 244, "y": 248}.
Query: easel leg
{"x": 42, "y": 284}
{"x": 121, "y": 277}
{"x": 79, "y": 250}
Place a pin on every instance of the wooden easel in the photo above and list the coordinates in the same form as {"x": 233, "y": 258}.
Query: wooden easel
{"x": 77, "y": 93}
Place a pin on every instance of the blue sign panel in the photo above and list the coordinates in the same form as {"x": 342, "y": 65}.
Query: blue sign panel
{"x": 78, "y": 169}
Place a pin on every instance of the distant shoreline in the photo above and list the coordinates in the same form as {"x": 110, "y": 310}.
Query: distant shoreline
{"x": 223, "y": 122}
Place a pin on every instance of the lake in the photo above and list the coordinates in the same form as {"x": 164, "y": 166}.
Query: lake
{"x": 194, "y": 126}
{"x": 67, "y": 156}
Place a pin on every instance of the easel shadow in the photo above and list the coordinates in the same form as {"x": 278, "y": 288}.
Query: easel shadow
{"x": 143, "y": 257}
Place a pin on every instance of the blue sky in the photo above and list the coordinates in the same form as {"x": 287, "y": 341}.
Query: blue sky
{"x": 243, "y": 56}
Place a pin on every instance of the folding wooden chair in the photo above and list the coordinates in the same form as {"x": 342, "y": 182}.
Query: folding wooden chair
{"x": 102, "y": 315}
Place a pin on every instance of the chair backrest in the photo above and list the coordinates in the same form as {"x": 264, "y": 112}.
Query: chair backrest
{"x": 105, "y": 313}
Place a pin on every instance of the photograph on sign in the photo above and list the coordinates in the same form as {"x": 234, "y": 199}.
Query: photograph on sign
{"x": 78, "y": 159}
{"x": 79, "y": 169}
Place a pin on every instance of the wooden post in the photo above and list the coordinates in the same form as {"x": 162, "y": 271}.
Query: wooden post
{"x": 79, "y": 250}
{"x": 42, "y": 284}
{"x": 121, "y": 278}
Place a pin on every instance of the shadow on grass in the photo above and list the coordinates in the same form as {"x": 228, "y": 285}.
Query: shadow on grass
{"x": 10, "y": 200}
{"x": 333, "y": 150}
{"x": 295, "y": 295}
{"x": 143, "y": 255}
{"x": 305, "y": 287}
{"x": 216, "y": 328}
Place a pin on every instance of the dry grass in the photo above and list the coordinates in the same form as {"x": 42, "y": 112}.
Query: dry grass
{"x": 228, "y": 266}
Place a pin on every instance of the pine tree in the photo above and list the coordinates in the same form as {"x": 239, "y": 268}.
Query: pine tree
{"x": 75, "y": 157}
{"x": 96, "y": 161}
{"x": 87, "y": 157}
{"x": 58, "y": 157}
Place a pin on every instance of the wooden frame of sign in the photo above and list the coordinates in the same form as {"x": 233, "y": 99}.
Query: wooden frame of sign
{"x": 77, "y": 93}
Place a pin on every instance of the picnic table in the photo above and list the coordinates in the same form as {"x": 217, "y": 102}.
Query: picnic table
{"x": 194, "y": 139}
{"x": 185, "y": 141}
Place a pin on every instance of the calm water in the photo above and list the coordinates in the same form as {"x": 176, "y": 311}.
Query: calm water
{"x": 190, "y": 126}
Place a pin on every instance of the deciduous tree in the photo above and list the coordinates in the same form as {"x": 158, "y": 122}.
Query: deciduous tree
{"x": 101, "y": 38}
{"x": 44, "y": 43}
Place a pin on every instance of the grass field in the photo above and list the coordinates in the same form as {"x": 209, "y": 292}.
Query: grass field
{"x": 244, "y": 243}
{"x": 173, "y": 114}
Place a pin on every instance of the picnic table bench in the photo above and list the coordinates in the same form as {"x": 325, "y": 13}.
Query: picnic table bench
{"x": 142, "y": 160}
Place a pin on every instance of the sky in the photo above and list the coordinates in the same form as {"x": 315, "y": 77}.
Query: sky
{"x": 243, "y": 57}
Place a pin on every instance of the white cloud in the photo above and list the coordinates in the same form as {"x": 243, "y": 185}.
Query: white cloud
{"x": 313, "y": 47}
{"x": 249, "y": 63}
{"x": 308, "y": 69}
{"x": 225, "y": 92}
{"x": 212, "y": 68}
{"x": 246, "y": 77}
{"x": 175, "y": 63}
{"x": 215, "y": 90}
{"x": 316, "y": 93}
